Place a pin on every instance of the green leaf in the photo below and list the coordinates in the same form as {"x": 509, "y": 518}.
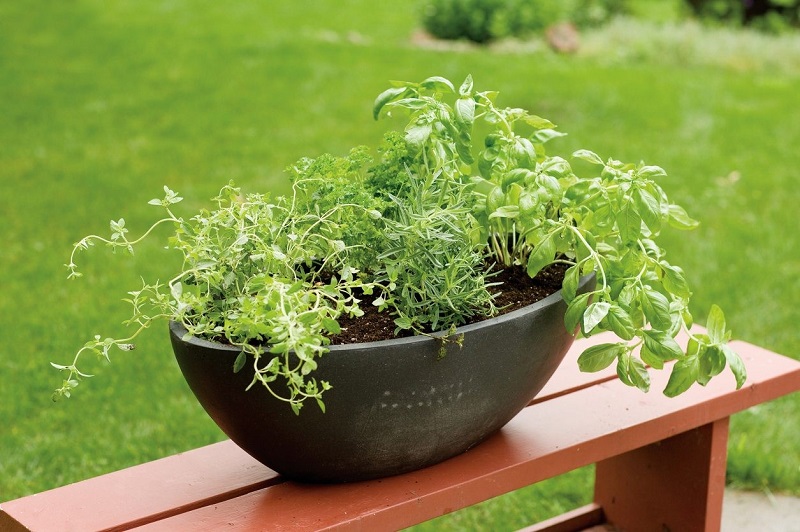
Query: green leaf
{"x": 674, "y": 280}
{"x": 588, "y": 156}
{"x": 684, "y": 374}
{"x": 594, "y": 315}
{"x": 620, "y": 322}
{"x": 464, "y": 150}
{"x": 321, "y": 405}
{"x": 736, "y": 364}
{"x": 575, "y": 311}
{"x": 438, "y": 83}
{"x": 495, "y": 199}
{"x": 650, "y": 359}
{"x": 599, "y": 357}
{"x": 238, "y": 364}
{"x": 710, "y": 364}
{"x": 629, "y": 222}
{"x": 538, "y": 122}
{"x": 633, "y": 372}
{"x": 656, "y": 308}
{"x": 465, "y": 112}
{"x": 716, "y": 325}
{"x": 385, "y": 97}
{"x": 543, "y": 135}
{"x": 331, "y": 325}
{"x": 662, "y": 345}
{"x": 403, "y": 322}
{"x": 680, "y": 220}
{"x": 542, "y": 255}
{"x": 569, "y": 287}
{"x": 417, "y": 135}
{"x": 651, "y": 172}
{"x": 649, "y": 209}
{"x": 506, "y": 211}
{"x": 466, "y": 88}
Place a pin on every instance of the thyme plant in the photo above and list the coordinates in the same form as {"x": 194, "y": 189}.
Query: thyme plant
{"x": 416, "y": 230}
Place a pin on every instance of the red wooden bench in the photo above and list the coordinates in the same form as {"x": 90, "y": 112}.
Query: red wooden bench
{"x": 660, "y": 466}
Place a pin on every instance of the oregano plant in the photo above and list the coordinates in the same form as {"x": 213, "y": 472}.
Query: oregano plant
{"x": 421, "y": 232}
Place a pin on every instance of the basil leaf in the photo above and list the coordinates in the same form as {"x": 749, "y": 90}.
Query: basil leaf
{"x": 629, "y": 223}
{"x": 594, "y": 315}
{"x": 465, "y": 112}
{"x": 599, "y": 357}
{"x": 716, "y": 325}
{"x": 385, "y": 97}
{"x": 569, "y": 287}
{"x": 438, "y": 83}
{"x": 632, "y": 372}
{"x": 648, "y": 208}
{"x": 736, "y": 364}
{"x": 674, "y": 280}
{"x": 684, "y": 374}
{"x": 679, "y": 219}
{"x": 466, "y": 88}
{"x": 656, "y": 308}
{"x": 649, "y": 358}
{"x": 575, "y": 311}
{"x": 542, "y": 255}
{"x": 662, "y": 345}
{"x": 588, "y": 156}
{"x": 620, "y": 322}
{"x": 710, "y": 364}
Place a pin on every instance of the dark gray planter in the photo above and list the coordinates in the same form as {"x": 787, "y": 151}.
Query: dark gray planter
{"x": 395, "y": 405}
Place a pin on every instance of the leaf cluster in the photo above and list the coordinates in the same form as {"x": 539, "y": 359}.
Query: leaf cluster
{"x": 416, "y": 230}
{"x": 533, "y": 210}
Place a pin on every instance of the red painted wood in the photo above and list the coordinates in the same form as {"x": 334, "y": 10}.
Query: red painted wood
{"x": 143, "y": 493}
{"x": 568, "y": 379}
{"x": 674, "y": 484}
{"x": 190, "y": 480}
{"x": 221, "y": 487}
{"x": 550, "y": 438}
{"x": 581, "y": 518}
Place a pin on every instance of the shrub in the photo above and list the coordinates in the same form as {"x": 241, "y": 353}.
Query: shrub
{"x": 768, "y": 15}
{"x": 486, "y": 20}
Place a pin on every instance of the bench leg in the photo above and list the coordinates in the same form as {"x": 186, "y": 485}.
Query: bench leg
{"x": 673, "y": 485}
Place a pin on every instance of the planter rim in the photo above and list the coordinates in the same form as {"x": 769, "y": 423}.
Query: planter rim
{"x": 180, "y": 330}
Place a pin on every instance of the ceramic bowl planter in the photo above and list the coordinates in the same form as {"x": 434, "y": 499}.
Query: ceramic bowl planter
{"x": 395, "y": 405}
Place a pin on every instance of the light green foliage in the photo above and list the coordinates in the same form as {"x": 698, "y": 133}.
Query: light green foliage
{"x": 274, "y": 277}
{"x": 534, "y": 210}
{"x": 269, "y": 277}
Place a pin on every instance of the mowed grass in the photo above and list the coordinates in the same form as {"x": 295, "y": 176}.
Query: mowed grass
{"x": 104, "y": 103}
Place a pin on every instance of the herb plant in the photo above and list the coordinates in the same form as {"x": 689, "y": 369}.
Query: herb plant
{"x": 421, "y": 231}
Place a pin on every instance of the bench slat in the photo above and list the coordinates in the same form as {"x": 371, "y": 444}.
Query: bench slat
{"x": 192, "y": 479}
{"x": 196, "y": 484}
{"x": 568, "y": 378}
{"x": 143, "y": 493}
{"x": 591, "y": 424}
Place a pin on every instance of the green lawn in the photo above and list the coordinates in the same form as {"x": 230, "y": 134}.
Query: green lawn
{"x": 102, "y": 103}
